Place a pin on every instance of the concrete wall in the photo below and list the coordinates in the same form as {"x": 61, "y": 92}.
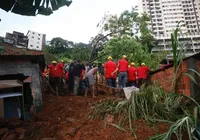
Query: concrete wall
{"x": 27, "y": 69}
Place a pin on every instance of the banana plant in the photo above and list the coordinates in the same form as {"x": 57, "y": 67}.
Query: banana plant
{"x": 179, "y": 51}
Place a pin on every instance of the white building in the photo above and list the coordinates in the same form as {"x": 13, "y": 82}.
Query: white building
{"x": 166, "y": 14}
{"x": 36, "y": 40}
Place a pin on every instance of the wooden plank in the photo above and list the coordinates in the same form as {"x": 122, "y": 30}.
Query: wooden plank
{"x": 106, "y": 88}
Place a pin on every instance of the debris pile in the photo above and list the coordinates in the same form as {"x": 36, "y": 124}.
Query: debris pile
{"x": 66, "y": 118}
{"x": 12, "y": 129}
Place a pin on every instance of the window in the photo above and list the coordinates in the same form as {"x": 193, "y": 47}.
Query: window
{"x": 38, "y": 38}
{"x": 31, "y": 45}
{"x": 33, "y": 33}
{"x": 39, "y": 34}
{"x": 32, "y": 36}
{"x": 38, "y": 42}
{"x": 37, "y": 46}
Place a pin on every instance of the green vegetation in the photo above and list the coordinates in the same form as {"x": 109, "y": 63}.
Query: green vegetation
{"x": 135, "y": 51}
{"x": 149, "y": 104}
{"x": 153, "y": 105}
{"x": 68, "y": 50}
{"x": 127, "y": 34}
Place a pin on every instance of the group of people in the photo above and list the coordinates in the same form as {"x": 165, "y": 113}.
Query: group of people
{"x": 75, "y": 77}
{"x": 80, "y": 78}
{"x": 128, "y": 75}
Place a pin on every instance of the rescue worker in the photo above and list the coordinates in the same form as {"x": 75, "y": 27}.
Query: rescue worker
{"x": 66, "y": 80}
{"x": 101, "y": 72}
{"x": 77, "y": 71}
{"x": 71, "y": 77}
{"x": 44, "y": 74}
{"x": 60, "y": 76}
{"x": 122, "y": 69}
{"x": 109, "y": 68}
{"x": 52, "y": 75}
{"x": 132, "y": 73}
{"x": 89, "y": 77}
{"x": 142, "y": 73}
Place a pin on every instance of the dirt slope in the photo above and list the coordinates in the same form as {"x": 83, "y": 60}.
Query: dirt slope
{"x": 66, "y": 118}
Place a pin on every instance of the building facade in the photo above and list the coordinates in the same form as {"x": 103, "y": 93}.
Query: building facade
{"x": 36, "y": 40}
{"x": 17, "y": 39}
{"x": 165, "y": 16}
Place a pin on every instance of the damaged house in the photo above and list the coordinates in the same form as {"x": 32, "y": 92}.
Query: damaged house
{"x": 20, "y": 74}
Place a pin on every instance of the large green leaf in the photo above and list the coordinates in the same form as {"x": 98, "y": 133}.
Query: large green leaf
{"x": 29, "y": 7}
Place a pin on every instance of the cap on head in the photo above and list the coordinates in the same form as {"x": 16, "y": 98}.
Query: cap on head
{"x": 124, "y": 56}
{"x": 62, "y": 61}
{"x": 54, "y": 62}
{"x": 109, "y": 58}
{"x": 143, "y": 64}
{"x": 132, "y": 64}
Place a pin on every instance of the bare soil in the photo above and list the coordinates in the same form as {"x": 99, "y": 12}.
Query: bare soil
{"x": 66, "y": 118}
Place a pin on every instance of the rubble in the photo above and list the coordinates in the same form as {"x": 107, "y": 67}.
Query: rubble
{"x": 73, "y": 124}
{"x": 12, "y": 129}
{"x": 20, "y": 130}
{"x": 3, "y": 131}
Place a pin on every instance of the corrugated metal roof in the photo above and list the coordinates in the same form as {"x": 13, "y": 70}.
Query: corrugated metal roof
{"x": 8, "y": 50}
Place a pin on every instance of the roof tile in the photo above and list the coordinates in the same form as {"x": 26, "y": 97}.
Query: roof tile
{"x": 8, "y": 50}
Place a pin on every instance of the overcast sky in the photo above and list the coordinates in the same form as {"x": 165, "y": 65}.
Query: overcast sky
{"x": 76, "y": 23}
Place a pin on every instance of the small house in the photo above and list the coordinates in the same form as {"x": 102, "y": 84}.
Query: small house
{"x": 20, "y": 66}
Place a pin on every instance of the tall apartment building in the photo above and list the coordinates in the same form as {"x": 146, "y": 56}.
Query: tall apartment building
{"x": 36, "y": 40}
{"x": 166, "y": 14}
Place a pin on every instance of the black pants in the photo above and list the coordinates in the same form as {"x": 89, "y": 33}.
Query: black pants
{"x": 71, "y": 82}
{"x": 60, "y": 85}
{"x": 53, "y": 81}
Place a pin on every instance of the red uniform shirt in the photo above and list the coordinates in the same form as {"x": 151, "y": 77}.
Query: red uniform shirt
{"x": 67, "y": 75}
{"x": 132, "y": 74}
{"x": 123, "y": 65}
{"x": 110, "y": 67}
{"x": 82, "y": 74}
{"x": 52, "y": 70}
{"x": 142, "y": 72}
{"x": 59, "y": 69}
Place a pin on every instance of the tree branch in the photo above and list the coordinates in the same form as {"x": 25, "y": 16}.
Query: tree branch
{"x": 98, "y": 42}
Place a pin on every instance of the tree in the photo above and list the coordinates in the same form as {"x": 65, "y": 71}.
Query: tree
{"x": 59, "y": 42}
{"x": 68, "y": 50}
{"x": 124, "y": 24}
{"x": 128, "y": 23}
{"x": 97, "y": 44}
{"x": 135, "y": 51}
{"x": 33, "y": 7}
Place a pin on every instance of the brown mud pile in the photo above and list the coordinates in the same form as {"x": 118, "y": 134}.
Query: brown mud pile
{"x": 66, "y": 118}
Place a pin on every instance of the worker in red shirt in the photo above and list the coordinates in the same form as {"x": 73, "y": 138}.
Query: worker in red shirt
{"x": 109, "y": 68}
{"x": 44, "y": 74}
{"x": 52, "y": 75}
{"x": 60, "y": 76}
{"x": 132, "y": 72}
{"x": 142, "y": 73}
{"x": 122, "y": 69}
